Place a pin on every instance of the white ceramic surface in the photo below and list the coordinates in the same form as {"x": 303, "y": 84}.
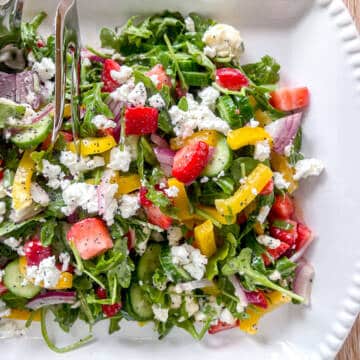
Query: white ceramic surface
{"x": 318, "y": 46}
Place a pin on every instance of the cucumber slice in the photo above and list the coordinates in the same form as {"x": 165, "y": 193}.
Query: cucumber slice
{"x": 194, "y": 78}
{"x": 13, "y": 280}
{"x": 148, "y": 263}
{"x": 221, "y": 160}
{"x": 172, "y": 271}
{"x": 140, "y": 306}
{"x": 33, "y": 136}
{"x": 9, "y": 109}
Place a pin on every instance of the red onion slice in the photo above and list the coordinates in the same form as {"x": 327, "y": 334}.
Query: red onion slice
{"x": 159, "y": 141}
{"x": 87, "y": 54}
{"x": 283, "y": 131}
{"x": 41, "y": 114}
{"x": 51, "y": 298}
{"x": 304, "y": 275}
{"x": 8, "y": 86}
{"x": 164, "y": 155}
{"x": 26, "y": 89}
{"x": 239, "y": 291}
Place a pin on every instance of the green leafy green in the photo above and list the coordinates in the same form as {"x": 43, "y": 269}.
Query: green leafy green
{"x": 47, "y": 232}
{"x": 264, "y": 72}
{"x": 65, "y": 316}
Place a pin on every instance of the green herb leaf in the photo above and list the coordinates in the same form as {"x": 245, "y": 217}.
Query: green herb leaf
{"x": 263, "y": 72}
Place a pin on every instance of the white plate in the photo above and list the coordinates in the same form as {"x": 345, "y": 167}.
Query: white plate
{"x": 317, "y": 45}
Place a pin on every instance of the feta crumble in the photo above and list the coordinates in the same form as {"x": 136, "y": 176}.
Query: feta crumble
{"x": 226, "y": 317}
{"x": 208, "y": 96}
{"x": 262, "y": 150}
{"x": 45, "y": 272}
{"x": 174, "y": 235}
{"x": 64, "y": 259}
{"x": 39, "y": 195}
{"x": 190, "y": 258}
{"x": 159, "y": 313}
{"x": 172, "y": 191}
{"x": 308, "y": 167}
{"x": 138, "y": 96}
{"x": 129, "y": 205}
{"x": 209, "y": 52}
{"x": 108, "y": 205}
{"x": 102, "y": 122}
{"x": 120, "y": 160}
{"x": 268, "y": 241}
{"x": 275, "y": 276}
{"x": 253, "y": 123}
{"x": 263, "y": 214}
{"x": 288, "y": 149}
{"x": 45, "y": 68}
{"x": 156, "y": 101}
{"x": 122, "y": 75}
{"x": 76, "y": 166}
{"x": 197, "y": 117}
{"x": 191, "y": 306}
{"x": 122, "y": 93}
{"x": 189, "y": 24}
{"x": 52, "y": 173}
{"x": 2, "y": 210}
{"x": 225, "y": 40}
{"x": 204, "y": 180}
{"x": 279, "y": 181}
{"x": 176, "y": 301}
{"x": 2, "y": 273}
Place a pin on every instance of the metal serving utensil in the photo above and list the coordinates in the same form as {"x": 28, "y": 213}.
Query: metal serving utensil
{"x": 67, "y": 40}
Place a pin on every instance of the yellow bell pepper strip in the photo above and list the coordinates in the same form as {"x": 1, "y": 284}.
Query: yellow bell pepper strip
{"x": 246, "y": 193}
{"x": 205, "y": 238}
{"x": 274, "y": 300}
{"x": 21, "y": 193}
{"x": 246, "y": 136}
{"x": 208, "y": 136}
{"x": 126, "y": 183}
{"x": 213, "y": 213}
{"x": 280, "y": 164}
{"x": 18, "y": 314}
{"x": 181, "y": 201}
{"x": 93, "y": 145}
{"x": 65, "y": 280}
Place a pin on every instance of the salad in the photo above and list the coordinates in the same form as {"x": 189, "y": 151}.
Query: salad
{"x": 179, "y": 209}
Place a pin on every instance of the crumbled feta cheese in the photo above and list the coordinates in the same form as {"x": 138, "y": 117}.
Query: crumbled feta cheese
{"x": 200, "y": 316}
{"x": 208, "y": 96}
{"x": 53, "y": 174}
{"x": 263, "y": 213}
{"x": 45, "y": 68}
{"x": 159, "y": 313}
{"x": 288, "y": 149}
{"x": 254, "y": 191}
{"x": 106, "y": 198}
{"x": 138, "y": 96}
{"x": 190, "y": 258}
{"x": 2, "y": 210}
{"x": 189, "y": 24}
{"x": 102, "y": 122}
{"x": 129, "y": 205}
{"x": 156, "y": 101}
{"x": 39, "y": 195}
{"x": 2, "y": 273}
{"x": 209, "y": 52}
{"x": 308, "y": 167}
{"x": 64, "y": 259}
{"x": 226, "y": 317}
{"x": 275, "y": 276}
{"x": 172, "y": 191}
{"x": 155, "y": 79}
{"x": 47, "y": 90}
{"x": 120, "y": 160}
{"x": 12, "y": 243}
{"x": 122, "y": 93}
{"x": 80, "y": 195}
{"x": 85, "y": 62}
{"x": 279, "y": 181}
{"x": 191, "y": 306}
{"x": 75, "y": 165}
{"x": 262, "y": 150}
{"x": 268, "y": 241}
{"x": 174, "y": 235}
{"x": 225, "y": 40}
{"x": 204, "y": 180}
{"x": 197, "y": 117}
{"x": 253, "y": 123}
{"x": 122, "y": 75}
{"x": 131, "y": 141}
{"x": 176, "y": 301}
{"x": 45, "y": 272}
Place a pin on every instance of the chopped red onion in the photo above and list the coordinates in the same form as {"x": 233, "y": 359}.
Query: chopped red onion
{"x": 164, "y": 155}
{"x": 87, "y": 54}
{"x": 131, "y": 235}
{"x": 159, "y": 141}
{"x": 8, "y": 86}
{"x": 283, "y": 131}
{"x": 239, "y": 291}
{"x": 304, "y": 275}
{"x": 41, "y": 114}
{"x": 51, "y": 298}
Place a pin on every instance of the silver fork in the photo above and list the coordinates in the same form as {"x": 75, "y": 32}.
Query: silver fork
{"x": 67, "y": 38}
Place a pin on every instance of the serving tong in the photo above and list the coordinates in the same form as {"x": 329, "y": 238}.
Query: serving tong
{"x": 67, "y": 41}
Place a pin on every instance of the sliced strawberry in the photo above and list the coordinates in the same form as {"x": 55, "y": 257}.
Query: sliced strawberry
{"x": 268, "y": 188}
{"x": 288, "y": 99}
{"x": 256, "y": 298}
{"x": 230, "y": 78}
{"x": 179, "y": 91}
{"x": 90, "y": 237}
{"x": 158, "y": 75}
{"x": 287, "y": 236}
{"x": 156, "y": 217}
{"x": 283, "y": 207}
{"x": 275, "y": 253}
{"x": 141, "y": 120}
{"x": 3, "y": 288}
{"x": 303, "y": 236}
{"x": 190, "y": 161}
{"x": 109, "y": 83}
{"x": 35, "y": 252}
{"x": 47, "y": 142}
{"x": 221, "y": 326}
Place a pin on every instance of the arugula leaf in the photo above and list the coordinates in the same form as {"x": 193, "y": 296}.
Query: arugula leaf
{"x": 285, "y": 267}
{"x": 201, "y": 23}
{"x": 114, "y": 324}
{"x": 9, "y": 228}
{"x": 13, "y": 301}
{"x": 47, "y": 232}
{"x": 264, "y": 72}
{"x": 200, "y": 58}
{"x": 212, "y": 267}
{"x": 65, "y": 316}
{"x": 6, "y": 254}
{"x": 241, "y": 167}
{"x": 242, "y": 265}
